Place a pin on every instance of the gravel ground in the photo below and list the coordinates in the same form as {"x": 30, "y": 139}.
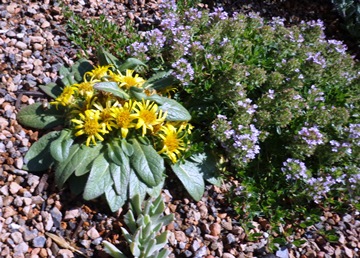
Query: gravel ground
{"x": 33, "y": 46}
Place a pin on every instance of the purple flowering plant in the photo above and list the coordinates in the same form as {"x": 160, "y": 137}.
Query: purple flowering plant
{"x": 280, "y": 104}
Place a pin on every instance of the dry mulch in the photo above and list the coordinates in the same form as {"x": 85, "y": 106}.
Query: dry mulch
{"x": 33, "y": 46}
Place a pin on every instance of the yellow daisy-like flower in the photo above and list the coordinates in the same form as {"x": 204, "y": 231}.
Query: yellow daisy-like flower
{"x": 129, "y": 80}
{"x": 66, "y": 98}
{"x": 89, "y": 125}
{"x": 99, "y": 72}
{"x": 124, "y": 117}
{"x": 106, "y": 112}
{"x": 86, "y": 88}
{"x": 173, "y": 143}
{"x": 149, "y": 115}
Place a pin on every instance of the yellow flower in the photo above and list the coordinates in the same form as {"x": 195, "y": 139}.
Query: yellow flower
{"x": 129, "y": 80}
{"x": 124, "y": 117}
{"x": 85, "y": 88}
{"x": 148, "y": 115}
{"x": 173, "y": 143}
{"x": 98, "y": 73}
{"x": 89, "y": 125}
{"x": 106, "y": 112}
{"x": 66, "y": 98}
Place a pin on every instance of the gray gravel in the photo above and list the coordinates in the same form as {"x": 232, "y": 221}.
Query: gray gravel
{"x": 33, "y": 46}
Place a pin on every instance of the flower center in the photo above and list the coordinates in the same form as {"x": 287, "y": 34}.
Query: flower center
{"x": 130, "y": 81}
{"x": 171, "y": 143}
{"x": 123, "y": 118}
{"x": 148, "y": 116}
{"x": 91, "y": 126}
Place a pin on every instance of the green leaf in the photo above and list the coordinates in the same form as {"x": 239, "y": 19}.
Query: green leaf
{"x": 131, "y": 63}
{"x": 147, "y": 163}
{"x": 99, "y": 178}
{"x": 113, "y": 88}
{"x": 52, "y": 89}
{"x": 60, "y": 148}
{"x": 114, "y": 152}
{"x": 39, "y": 158}
{"x": 190, "y": 175}
{"x": 115, "y": 201}
{"x": 36, "y": 116}
{"x": 137, "y": 187}
{"x": 84, "y": 165}
{"x": 207, "y": 165}
{"x": 175, "y": 111}
{"x": 80, "y": 68}
{"x": 79, "y": 157}
{"x": 110, "y": 249}
{"x": 121, "y": 177}
{"x": 64, "y": 71}
{"x": 127, "y": 147}
{"x": 160, "y": 80}
{"x": 105, "y": 58}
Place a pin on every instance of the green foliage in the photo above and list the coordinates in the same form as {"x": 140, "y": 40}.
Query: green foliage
{"x": 91, "y": 33}
{"x": 117, "y": 159}
{"x": 280, "y": 106}
{"x": 143, "y": 224}
{"x": 350, "y": 12}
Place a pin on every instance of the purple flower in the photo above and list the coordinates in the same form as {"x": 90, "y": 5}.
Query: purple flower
{"x": 316, "y": 58}
{"x": 183, "y": 71}
{"x": 271, "y": 94}
{"x": 219, "y": 13}
{"x": 311, "y": 136}
{"x": 295, "y": 169}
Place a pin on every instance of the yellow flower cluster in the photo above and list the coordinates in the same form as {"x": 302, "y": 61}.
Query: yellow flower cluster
{"x": 97, "y": 114}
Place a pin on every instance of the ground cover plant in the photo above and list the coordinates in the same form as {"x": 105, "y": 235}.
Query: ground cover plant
{"x": 281, "y": 106}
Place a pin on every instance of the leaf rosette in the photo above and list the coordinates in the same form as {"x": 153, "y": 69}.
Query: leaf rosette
{"x": 117, "y": 128}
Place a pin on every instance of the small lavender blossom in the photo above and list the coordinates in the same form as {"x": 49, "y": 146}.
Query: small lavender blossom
{"x": 193, "y": 14}
{"x": 229, "y": 133}
{"x": 317, "y": 23}
{"x": 248, "y": 143}
{"x": 294, "y": 169}
{"x": 137, "y": 49}
{"x": 197, "y": 45}
{"x": 271, "y": 94}
{"x": 183, "y": 71}
{"x": 339, "y": 46}
{"x": 250, "y": 109}
{"x": 155, "y": 38}
{"x": 335, "y": 146}
{"x": 354, "y": 133}
{"x": 224, "y": 41}
{"x": 277, "y": 21}
{"x": 316, "y": 58}
{"x": 168, "y": 5}
{"x": 219, "y": 13}
{"x": 319, "y": 187}
{"x": 219, "y": 116}
{"x": 311, "y": 136}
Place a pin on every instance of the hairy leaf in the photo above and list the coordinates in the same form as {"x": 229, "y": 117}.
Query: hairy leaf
{"x": 147, "y": 163}
{"x": 113, "y": 88}
{"x": 190, "y": 175}
{"x": 77, "y": 159}
{"x": 39, "y": 158}
{"x": 60, "y": 148}
{"x": 36, "y": 116}
{"x": 115, "y": 201}
{"x": 52, "y": 89}
{"x": 99, "y": 178}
